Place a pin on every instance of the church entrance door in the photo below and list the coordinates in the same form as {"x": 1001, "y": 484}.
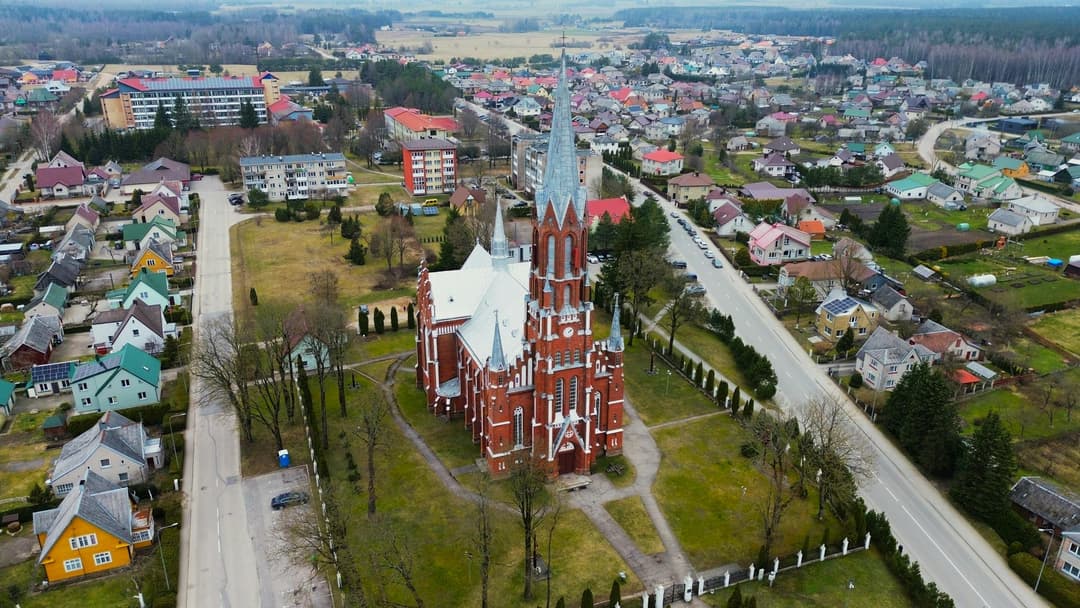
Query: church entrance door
{"x": 566, "y": 461}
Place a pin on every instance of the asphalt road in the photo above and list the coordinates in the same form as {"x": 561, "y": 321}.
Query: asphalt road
{"x": 218, "y": 561}
{"x": 950, "y": 552}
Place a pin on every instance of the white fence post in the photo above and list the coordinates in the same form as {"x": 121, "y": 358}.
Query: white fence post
{"x": 844, "y": 547}
{"x": 866, "y": 542}
{"x": 751, "y": 571}
{"x": 727, "y": 579}
{"x": 821, "y": 553}
{"x": 798, "y": 559}
{"x": 701, "y": 585}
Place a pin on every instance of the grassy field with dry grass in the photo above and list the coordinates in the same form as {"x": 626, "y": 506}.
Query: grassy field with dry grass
{"x": 231, "y": 69}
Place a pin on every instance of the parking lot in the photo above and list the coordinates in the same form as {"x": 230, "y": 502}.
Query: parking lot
{"x": 293, "y": 585}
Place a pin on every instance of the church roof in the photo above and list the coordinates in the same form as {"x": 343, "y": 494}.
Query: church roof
{"x": 484, "y": 294}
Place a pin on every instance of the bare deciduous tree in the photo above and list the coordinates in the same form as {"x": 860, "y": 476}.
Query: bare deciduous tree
{"x": 531, "y": 498}
{"x": 836, "y": 450}
{"x": 372, "y": 432}
{"x": 217, "y": 359}
{"x": 45, "y": 129}
{"x": 485, "y": 535}
{"x": 776, "y": 439}
{"x": 470, "y": 122}
{"x": 389, "y": 552}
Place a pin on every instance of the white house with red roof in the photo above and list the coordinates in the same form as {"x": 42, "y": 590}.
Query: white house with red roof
{"x": 774, "y": 244}
{"x": 661, "y": 162}
{"x": 617, "y": 208}
{"x": 730, "y": 219}
{"x": 159, "y": 204}
{"x": 61, "y": 182}
{"x": 84, "y": 216}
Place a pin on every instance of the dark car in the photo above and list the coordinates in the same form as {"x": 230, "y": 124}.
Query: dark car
{"x": 288, "y": 498}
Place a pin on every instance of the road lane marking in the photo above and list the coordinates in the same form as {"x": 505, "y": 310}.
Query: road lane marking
{"x": 943, "y": 554}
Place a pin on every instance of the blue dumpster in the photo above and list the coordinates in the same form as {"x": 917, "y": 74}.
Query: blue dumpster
{"x": 283, "y": 459}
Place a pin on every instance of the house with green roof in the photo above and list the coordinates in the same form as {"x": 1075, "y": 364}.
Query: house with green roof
{"x": 152, "y": 287}
{"x": 1071, "y": 143}
{"x": 124, "y": 379}
{"x": 138, "y": 235}
{"x": 913, "y": 186}
{"x": 968, "y": 175}
{"x": 1012, "y": 167}
{"x": 853, "y": 113}
{"x": 50, "y": 303}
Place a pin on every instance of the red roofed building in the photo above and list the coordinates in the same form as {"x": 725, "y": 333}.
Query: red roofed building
{"x": 61, "y": 182}
{"x": 814, "y": 228}
{"x": 616, "y": 208}
{"x": 661, "y": 162}
{"x": 406, "y": 124}
{"x": 943, "y": 341}
{"x": 65, "y": 75}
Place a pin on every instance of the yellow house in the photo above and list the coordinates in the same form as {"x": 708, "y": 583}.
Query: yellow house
{"x": 96, "y": 528}
{"x": 841, "y": 313}
{"x": 1012, "y": 167}
{"x": 157, "y": 257}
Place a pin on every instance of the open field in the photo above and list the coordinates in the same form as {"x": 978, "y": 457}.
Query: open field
{"x": 1036, "y": 356}
{"x": 1060, "y": 245}
{"x": 711, "y": 495}
{"x": 1055, "y": 457}
{"x": 430, "y": 519}
{"x": 24, "y": 462}
{"x": 1022, "y": 411}
{"x": 1019, "y": 283}
{"x": 231, "y": 69}
{"x": 1062, "y": 328}
{"x": 305, "y": 249}
{"x": 825, "y": 585}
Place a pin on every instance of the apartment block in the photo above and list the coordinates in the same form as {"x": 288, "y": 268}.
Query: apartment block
{"x": 429, "y": 166}
{"x": 296, "y": 176}
{"x": 215, "y": 100}
{"x": 529, "y": 160}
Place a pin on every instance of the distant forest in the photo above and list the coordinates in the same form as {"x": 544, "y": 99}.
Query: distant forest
{"x": 1021, "y": 45}
{"x": 90, "y": 35}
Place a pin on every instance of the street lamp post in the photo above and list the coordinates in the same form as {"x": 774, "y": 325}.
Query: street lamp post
{"x": 161, "y": 551}
{"x": 667, "y": 384}
{"x": 1046, "y": 555}
{"x": 173, "y": 437}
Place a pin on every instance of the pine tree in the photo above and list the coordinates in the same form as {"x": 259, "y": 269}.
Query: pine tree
{"x": 890, "y": 232}
{"x": 393, "y": 318}
{"x": 334, "y": 215}
{"x": 357, "y": 252}
{"x": 412, "y": 316}
{"x": 921, "y": 414}
{"x": 846, "y": 341}
{"x": 181, "y": 116}
{"x": 735, "y": 601}
{"x": 698, "y": 373}
{"x": 735, "y": 401}
{"x": 253, "y": 296}
{"x": 362, "y": 320}
{"x": 985, "y": 473}
{"x": 379, "y": 320}
{"x": 748, "y": 409}
{"x": 615, "y": 596}
{"x": 249, "y": 118}
{"x": 722, "y": 393}
{"x": 586, "y": 598}
{"x": 161, "y": 118}
{"x": 710, "y": 381}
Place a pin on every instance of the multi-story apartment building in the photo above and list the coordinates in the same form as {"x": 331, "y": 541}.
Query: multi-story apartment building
{"x": 296, "y": 176}
{"x": 429, "y": 166}
{"x": 215, "y": 101}
{"x": 529, "y": 160}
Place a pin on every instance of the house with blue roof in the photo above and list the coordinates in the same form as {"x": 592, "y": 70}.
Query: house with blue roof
{"x": 126, "y": 378}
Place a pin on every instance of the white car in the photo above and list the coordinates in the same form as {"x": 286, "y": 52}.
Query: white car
{"x": 702, "y": 245}
{"x": 592, "y": 259}
{"x": 708, "y": 254}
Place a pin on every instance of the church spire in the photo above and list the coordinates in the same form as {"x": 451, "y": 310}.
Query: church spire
{"x": 498, "y": 356}
{"x": 499, "y": 248}
{"x": 561, "y": 187}
{"x": 615, "y": 341}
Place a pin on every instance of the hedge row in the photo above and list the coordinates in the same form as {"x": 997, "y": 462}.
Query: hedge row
{"x": 26, "y": 512}
{"x": 1054, "y": 586}
{"x": 149, "y": 415}
{"x": 922, "y": 593}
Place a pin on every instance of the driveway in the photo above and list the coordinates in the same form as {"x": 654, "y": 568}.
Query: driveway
{"x": 284, "y": 583}
{"x": 73, "y": 347}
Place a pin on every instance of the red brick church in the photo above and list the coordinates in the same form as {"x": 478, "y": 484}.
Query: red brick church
{"x": 508, "y": 348}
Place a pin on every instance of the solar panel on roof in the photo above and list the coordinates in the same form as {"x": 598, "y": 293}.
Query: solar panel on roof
{"x": 431, "y": 211}
{"x": 838, "y": 306}
{"x": 50, "y": 372}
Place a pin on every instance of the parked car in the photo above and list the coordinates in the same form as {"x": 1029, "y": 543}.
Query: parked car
{"x": 592, "y": 259}
{"x": 695, "y": 289}
{"x": 678, "y": 264}
{"x": 286, "y": 499}
{"x": 708, "y": 254}
{"x": 675, "y": 214}
{"x": 716, "y": 263}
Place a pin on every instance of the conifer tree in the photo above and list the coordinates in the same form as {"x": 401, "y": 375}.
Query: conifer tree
{"x": 393, "y": 318}
{"x": 985, "y": 473}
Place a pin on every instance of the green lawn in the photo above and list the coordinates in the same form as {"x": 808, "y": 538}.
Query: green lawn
{"x": 1060, "y": 245}
{"x": 1063, "y": 328}
{"x": 630, "y": 513}
{"x": 711, "y": 495}
{"x": 820, "y": 247}
{"x": 929, "y": 216}
{"x": 450, "y": 441}
{"x": 378, "y": 345}
{"x": 1021, "y": 413}
{"x": 660, "y": 398}
{"x": 30, "y": 422}
{"x": 1035, "y": 355}
{"x": 706, "y": 345}
{"x": 23, "y": 450}
{"x": 825, "y": 585}
{"x": 619, "y": 480}
{"x": 1019, "y": 283}
{"x": 436, "y": 527}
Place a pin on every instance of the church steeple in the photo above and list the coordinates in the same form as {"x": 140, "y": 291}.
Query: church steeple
{"x": 561, "y": 187}
{"x": 499, "y": 247}
{"x": 615, "y": 341}
{"x": 498, "y": 355}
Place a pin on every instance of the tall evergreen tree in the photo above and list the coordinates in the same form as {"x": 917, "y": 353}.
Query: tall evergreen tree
{"x": 921, "y": 414}
{"x": 890, "y": 232}
{"x": 615, "y": 596}
{"x": 985, "y": 473}
{"x": 586, "y": 598}
{"x": 249, "y": 119}
{"x": 161, "y": 118}
{"x": 181, "y": 116}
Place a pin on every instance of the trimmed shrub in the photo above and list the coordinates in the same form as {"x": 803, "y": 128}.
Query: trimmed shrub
{"x": 1054, "y": 586}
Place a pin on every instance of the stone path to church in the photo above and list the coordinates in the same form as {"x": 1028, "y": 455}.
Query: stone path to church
{"x": 659, "y": 569}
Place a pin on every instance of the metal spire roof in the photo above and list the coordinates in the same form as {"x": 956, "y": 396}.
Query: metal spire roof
{"x": 498, "y": 356}
{"x": 499, "y": 248}
{"x": 615, "y": 341}
{"x": 560, "y": 186}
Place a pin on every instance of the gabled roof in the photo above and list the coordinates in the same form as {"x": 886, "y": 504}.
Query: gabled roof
{"x": 149, "y": 315}
{"x": 162, "y": 249}
{"x": 54, "y": 295}
{"x": 782, "y": 144}
{"x": 95, "y": 500}
{"x": 171, "y": 203}
{"x": 1008, "y": 162}
{"x": 1035, "y": 204}
{"x": 662, "y": 156}
{"x": 892, "y": 161}
{"x": 158, "y": 170}
{"x": 935, "y": 336}
{"x": 50, "y": 177}
{"x": 889, "y": 349}
{"x": 137, "y": 231}
{"x": 615, "y": 207}
{"x": 940, "y": 190}
{"x": 726, "y": 212}
{"x": 765, "y": 234}
{"x": 825, "y": 270}
{"x": 113, "y": 431}
{"x": 36, "y": 333}
{"x": 1009, "y": 218}
{"x": 51, "y": 372}
{"x": 462, "y": 195}
{"x": 1048, "y": 500}
{"x": 692, "y": 179}
{"x": 129, "y": 358}
{"x": 839, "y": 303}
{"x": 84, "y": 211}
{"x": 887, "y": 296}
{"x": 153, "y": 280}
{"x": 811, "y": 227}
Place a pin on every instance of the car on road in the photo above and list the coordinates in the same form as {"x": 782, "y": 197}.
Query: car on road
{"x": 708, "y": 254}
{"x": 695, "y": 289}
{"x": 592, "y": 259}
{"x": 678, "y": 264}
{"x": 716, "y": 263}
{"x": 236, "y": 198}
{"x": 286, "y": 499}
{"x": 674, "y": 214}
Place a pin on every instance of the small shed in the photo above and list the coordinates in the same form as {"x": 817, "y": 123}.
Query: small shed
{"x": 1073, "y": 270}
{"x": 55, "y": 427}
{"x": 924, "y": 272}
{"x": 1055, "y": 263}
